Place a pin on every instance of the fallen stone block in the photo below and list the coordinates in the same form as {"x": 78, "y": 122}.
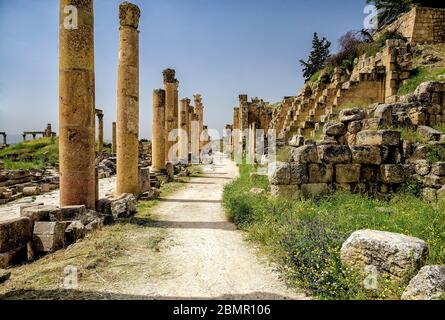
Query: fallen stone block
{"x": 279, "y": 173}
{"x": 124, "y": 206}
{"x": 354, "y": 114}
{"x": 14, "y": 233}
{"x": 49, "y": 236}
{"x": 305, "y": 154}
{"x": 355, "y": 127}
{"x": 334, "y": 154}
{"x": 31, "y": 191}
{"x": 321, "y": 173}
{"x": 13, "y": 257}
{"x": 42, "y": 213}
{"x": 152, "y": 194}
{"x": 438, "y": 169}
{"x": 347, "y": 173}
{"x": 96, "y": 224}
{"x": 71, "y": 213}
{"x": 74, "y": 232}
{"x": 378, "y": 138}
{"x": 366, "y": 155}
{"x": 429, "y": 133}
{"x": 428, "y": 284}
{"x": 433, "y": 181}
{"x": 334, "y": 129}
{"x": 392, "y": 254}
{"x": 422, "y": 167}
{"x": 314, "y": 190}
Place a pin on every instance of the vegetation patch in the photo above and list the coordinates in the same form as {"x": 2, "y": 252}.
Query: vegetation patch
{"x": 305, "y": 237}
{"x": 419, "y": 76}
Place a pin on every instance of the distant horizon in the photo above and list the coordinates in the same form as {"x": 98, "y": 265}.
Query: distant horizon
{"x": 219, "y": 49}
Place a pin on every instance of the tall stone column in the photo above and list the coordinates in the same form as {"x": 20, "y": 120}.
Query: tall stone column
{"x": 171, "y": 123}
{"x": 128, "y": 101}
{"x": 199, "y": 110}
{"x": 76, "y": 106}
{"x": 184, "y": 125}
{"x": 100, "y": 143}
{"x": 114, "y": 141}
{"x": 5, "y": 142}
{"x": 191, "y": 118}
{"x": 158, "y": 131}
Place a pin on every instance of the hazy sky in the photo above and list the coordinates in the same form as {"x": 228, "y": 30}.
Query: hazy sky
{"x": 219, "y": 48}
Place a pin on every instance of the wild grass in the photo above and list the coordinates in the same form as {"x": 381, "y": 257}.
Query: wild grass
{"x": 305, "y": 237}
{"x": 420, "y": 75}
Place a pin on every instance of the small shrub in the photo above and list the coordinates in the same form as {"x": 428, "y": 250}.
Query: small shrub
{"x": 435, "y": 154}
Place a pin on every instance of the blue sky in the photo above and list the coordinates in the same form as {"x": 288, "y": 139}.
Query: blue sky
{"x": 219, "y": 48}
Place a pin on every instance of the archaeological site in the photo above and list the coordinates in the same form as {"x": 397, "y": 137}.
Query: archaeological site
{"x": 197, "y": 159}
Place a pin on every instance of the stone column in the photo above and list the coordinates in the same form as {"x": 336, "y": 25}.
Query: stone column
{"x": 128, "y": 101}
{"x": 199, "y": 110}
{"x": 113, "y": 145}
{"x": 170, "y": 87}
{"x": 100, "y": 117}
{"x": 191, "y": 118}
{"x": 4, "y": 139}
{"x": 158, "y": 131}
{"x": 184, "y": 131}
{"x": 76, "y": 107}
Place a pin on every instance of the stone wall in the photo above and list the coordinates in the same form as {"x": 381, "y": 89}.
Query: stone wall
{"x": 421, "y": 25}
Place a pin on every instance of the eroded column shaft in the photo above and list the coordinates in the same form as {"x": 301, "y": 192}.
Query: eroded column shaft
{"x": 171, "y": 123}
{"x": 184, "y": 131}
{"x": 77, "y": 104}
{"x": 128, "y": 101}
{"x": 158, "y": 131}
{"x": 114, "y": 141}
{"x": 100, "y": 142}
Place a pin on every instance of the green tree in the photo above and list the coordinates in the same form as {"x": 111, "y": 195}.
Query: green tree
{"x": 317, "y": 58}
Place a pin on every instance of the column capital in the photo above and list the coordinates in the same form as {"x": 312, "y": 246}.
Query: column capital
{"x": 169, "y": 76}
{"x": 129, "y": 15}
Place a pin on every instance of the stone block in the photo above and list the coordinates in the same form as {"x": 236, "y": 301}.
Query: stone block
{"x": 4, "y": 275}
{"x": 355, "y": 127}
{"x": 372, "y": 124}
{"x": 438, "y": 169}
{"x": 42, "y": 213}
{"x": 433, "y": 181}
{"x": 378, "y": 138}
{"x": 124, "y": 206}
{"x": 391, "y": 254}
{"x": 279, "y": 173}
{"x": 31, "y": 191}
{"x": 49, "y": 236}
{"x": 334, "y": 154}
{"x": 74, "y": 232}
{"x": 429, "y": 133}
{"x": 14, "y": 233}
{"x": 12, "y": 257}
{"x": 305, "y": 154}
{"x": 422, "y": 167}
{"x": 298, "y": 173}
{"x": 334, "y": 129}
{"x": 70, "y": 213}
{"x": 285, "y": 191}
{"x": 347, "y": 173}
{"x": 428, "y": 284}
{"x": 366, "y": 155}
{"x": 315, "y": 190}
{"x": 393, "y": 173}
{"x": 321, "y": 173}
{"x": 429, "y": 194}
{"x": 354, "y": 114}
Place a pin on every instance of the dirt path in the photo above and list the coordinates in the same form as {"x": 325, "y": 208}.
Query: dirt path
{"x": 189, "y": 251}
{"x": 209, "y": 257}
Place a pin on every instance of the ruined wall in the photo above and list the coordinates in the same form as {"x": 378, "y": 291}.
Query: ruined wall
{"x": 421, "y": 25}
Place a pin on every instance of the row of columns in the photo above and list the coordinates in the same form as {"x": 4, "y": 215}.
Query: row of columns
{"x": 78, "y": 182}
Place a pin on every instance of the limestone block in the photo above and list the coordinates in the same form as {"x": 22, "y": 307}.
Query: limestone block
{"x": 393, "y": 173}
{"x": 298, "y": 173}
{"x": 296, "y": 141}
{"x": 384, "y": 112}
{"x": 70, "y": 213}
{"x": 366, "y": 155}
{"x": 354, "y": 114}
{"x": 42, "y": 213}
{"x": 14, "y": 233}
{"x": 334, "y": 129}
{"x": 31, "y": 191}
{"x": 49, "y": 236}
{"x": 438, "y": 169}
{"x": 434, "y": 181}
{"x": 12, "y": 257}
{"x": 74, "y": 232}
{"x": 285, "y": 191}
{"x": 4, "y": 275}
{"x": 321, "y": 173}
{"x": 279, "y": 173}
{"x": 333, "y": 154}
{"x": 428, "y": 284}
{"x": 355, "y": 127}
{"x": 392, "y": 254}
{"x": 422, "y": 167}
{"x": 372, "y": 124}
{"x": 429, "y": 133}
{"x": 347, "y": 173}
{"x": 124, "y": 206}
{"x": 378, "y": 138}
{"x": 314, "y": 190}
{"x": 305, "y": 154}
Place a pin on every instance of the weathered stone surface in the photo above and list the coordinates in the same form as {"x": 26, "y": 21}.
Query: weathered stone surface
{"x": 366, "y": 155}
{"x": 49, "y": 236}
{"x": 429, "y": 194}
{"x": 74, "y": 232}
{"x": 429, "y": 133}
{"x": 422, "y": 167}
{"x": 428, "y": 284}
{"x": 354, "y": 114}
{"x": 14, "y": 233}
{"x": 70, "y": 213}
{"x": 433, "y": 181}
{"x": 314, "y": 190}
{"x": 42, "y": 213}
{"x": 285, "y": 191}
{"x": 298, "y": 173}
{"x": 392, "y": 254}
{"x": 279, "y": 173}
{"x": 124, "y": 206}
{"x": 372, "y": 124}
{"x": 347, "y": 173}
{"x": 334, "y": 129}
{"x": 152, "y": 194}
{"x": 305, "y": 154}
{"x": 296, "y": 141}
{"x": 13, "y": 257}
{"x": 31, "y": 191}
{"x": 334, "y": 154}
{"x": 321, "y": 173}
{"x": 393, "y": 173}
{"x": 438, "y": 169}
{"x": 355, "y": 127}
{"x": 96, "y": 224}
{"x": 378, "y": 138}
{"x": 384, "y": 112}
{"x": 4, "y": 275}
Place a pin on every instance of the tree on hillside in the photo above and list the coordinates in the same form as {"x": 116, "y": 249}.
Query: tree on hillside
{"x": 317, "y": 57}
{"x": 391, "y": 9}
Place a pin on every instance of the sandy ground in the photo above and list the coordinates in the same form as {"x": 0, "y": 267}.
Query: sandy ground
{"x": 189, "y": 251}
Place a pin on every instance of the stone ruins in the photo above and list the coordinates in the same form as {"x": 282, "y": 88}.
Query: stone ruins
{"x": 47, "y": 133}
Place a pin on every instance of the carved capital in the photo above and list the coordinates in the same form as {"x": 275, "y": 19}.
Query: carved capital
{"x": 169, "y": 76}
{"x": 129, "y": 15}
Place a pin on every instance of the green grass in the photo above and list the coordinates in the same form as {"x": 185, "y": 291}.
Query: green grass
{"x": 411, "y": 135}
{"x": 35, "y": 154}
{"x": 304, "y": 237}
{"x": 421, "y": 75}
